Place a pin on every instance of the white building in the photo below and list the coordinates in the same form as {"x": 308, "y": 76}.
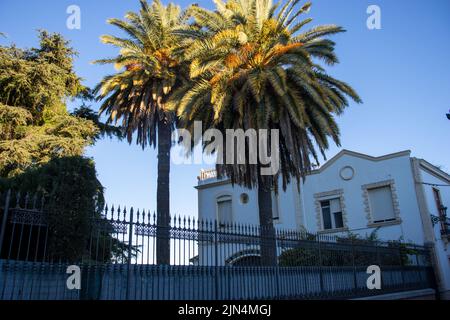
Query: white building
{"x": 396, "y": 193}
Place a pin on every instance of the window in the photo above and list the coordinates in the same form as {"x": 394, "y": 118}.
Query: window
{"x": 437, "y": 199}
{"x": 381, "y": 204}
{"x": 244, "y": 198}
{"x": 332, "y": 214}
{"x": 224, "y": 210}
{"x": 440, "y": 207}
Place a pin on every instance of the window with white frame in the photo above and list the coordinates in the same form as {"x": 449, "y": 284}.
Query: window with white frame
{"x": 381, "y": 204}
{"x": 332, "y": 214}
{"x": 224, "y": 210}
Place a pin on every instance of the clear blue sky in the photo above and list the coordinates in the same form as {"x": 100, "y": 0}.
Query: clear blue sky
{"x": 402, "y": 72}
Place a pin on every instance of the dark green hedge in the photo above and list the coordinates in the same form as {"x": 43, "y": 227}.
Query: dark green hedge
{"x": 73, "y": 201}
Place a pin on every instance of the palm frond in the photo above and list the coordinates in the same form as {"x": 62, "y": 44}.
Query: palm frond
{"x": 252, "y": 66}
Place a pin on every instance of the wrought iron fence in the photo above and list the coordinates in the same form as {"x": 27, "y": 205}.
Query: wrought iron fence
{"x": 117, "y": 253}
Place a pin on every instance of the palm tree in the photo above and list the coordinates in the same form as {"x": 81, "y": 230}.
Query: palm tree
{"x": 136, "y": 95}
{"x": 253, "y": 65}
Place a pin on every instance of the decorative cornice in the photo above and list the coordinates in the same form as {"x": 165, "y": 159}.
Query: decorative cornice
{"x": 340, "y": 230}
{"x": 361, "y": 156}
{"x": 385, "y": 224}
{"x": 433, "y": 170}
{"x": 203, "y": 182}
{"x": 328, "y": 193}
{"x": 213, "y": 184}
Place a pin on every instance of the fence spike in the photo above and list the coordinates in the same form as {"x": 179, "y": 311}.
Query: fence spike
{"x": 145, "y": 215}
{"x": 124, "y": 216}
{"x": 42, "y": 203}
{"x": 34, "y": 201}
{"x": 18, "y": 195}
{"x": 27, "y": 198}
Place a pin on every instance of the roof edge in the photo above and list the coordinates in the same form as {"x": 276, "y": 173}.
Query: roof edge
{"x": 327, "y": 164}
{"x": 434, "y": 170}
{"x": 361, "y": 156}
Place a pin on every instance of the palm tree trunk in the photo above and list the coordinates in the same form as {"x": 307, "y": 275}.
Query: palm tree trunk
{"x": 267, "y": 234}
{"x": 163, "y": 193}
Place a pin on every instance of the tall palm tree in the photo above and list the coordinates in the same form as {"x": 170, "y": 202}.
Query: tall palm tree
{"x": 253, "y": 65}
{"x": 149, "y": 69}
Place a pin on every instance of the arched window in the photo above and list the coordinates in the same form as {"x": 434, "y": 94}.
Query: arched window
{"x": 247, "y": 261}
{"x": 247, "y": 257}
{"x": 224, "y": 210}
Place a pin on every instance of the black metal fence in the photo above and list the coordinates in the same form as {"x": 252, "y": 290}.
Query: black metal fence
{"x": 116, "y": 252}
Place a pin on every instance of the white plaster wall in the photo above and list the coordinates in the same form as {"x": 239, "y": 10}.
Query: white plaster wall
{"x": 442, "y": 247}
{"x": 299, "y": 210}
{"x": 246, "y": 213}
{"x": 367, "y": 172}
{"x": 289, "y": 207}
{"x": 242, "y": 213}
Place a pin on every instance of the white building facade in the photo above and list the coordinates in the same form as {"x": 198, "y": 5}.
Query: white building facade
{"x": 401, "y": 196}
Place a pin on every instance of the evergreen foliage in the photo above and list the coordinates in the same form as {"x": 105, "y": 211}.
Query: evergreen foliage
{"x": 35, "y": 125}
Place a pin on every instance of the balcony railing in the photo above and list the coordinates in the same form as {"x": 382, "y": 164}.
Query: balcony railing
{"x": 443, "y": 221}
{"x": 207, "y": 174}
